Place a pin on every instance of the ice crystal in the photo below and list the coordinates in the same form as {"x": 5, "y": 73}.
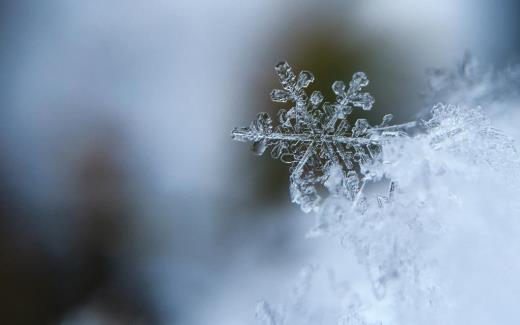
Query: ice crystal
{"x": 316, "y": 137}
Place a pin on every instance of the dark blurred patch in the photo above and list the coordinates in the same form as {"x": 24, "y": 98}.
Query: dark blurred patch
{"x": 5, "y": 6}
{"x": 38, "y": 287}
{"x": 514, "y": 38}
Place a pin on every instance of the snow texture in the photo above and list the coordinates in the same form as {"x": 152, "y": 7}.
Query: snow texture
{"x": 423, "y": 244}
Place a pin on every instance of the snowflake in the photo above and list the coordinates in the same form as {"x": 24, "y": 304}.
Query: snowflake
{"x": 316, "y": 138}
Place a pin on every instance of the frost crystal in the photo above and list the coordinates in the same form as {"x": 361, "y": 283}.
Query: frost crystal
{"x": 317, "y": 139}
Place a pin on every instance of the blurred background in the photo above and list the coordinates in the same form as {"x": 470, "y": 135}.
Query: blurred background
{"x": 123, "y": 199}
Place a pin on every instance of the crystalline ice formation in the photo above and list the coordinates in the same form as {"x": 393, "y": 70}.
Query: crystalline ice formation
{"x": 316, "y": 138}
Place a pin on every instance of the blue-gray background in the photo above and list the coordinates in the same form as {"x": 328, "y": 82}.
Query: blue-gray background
{"x": 122, "y": 197}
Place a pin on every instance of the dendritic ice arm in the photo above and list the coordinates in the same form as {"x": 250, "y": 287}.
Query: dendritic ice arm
{"x": 315, "y": 137}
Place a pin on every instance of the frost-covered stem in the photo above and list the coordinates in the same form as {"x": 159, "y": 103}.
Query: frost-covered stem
{"x": 299, "y": 168}
{"x": 297, "y": 187}
{"x": 246, "y": 135}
